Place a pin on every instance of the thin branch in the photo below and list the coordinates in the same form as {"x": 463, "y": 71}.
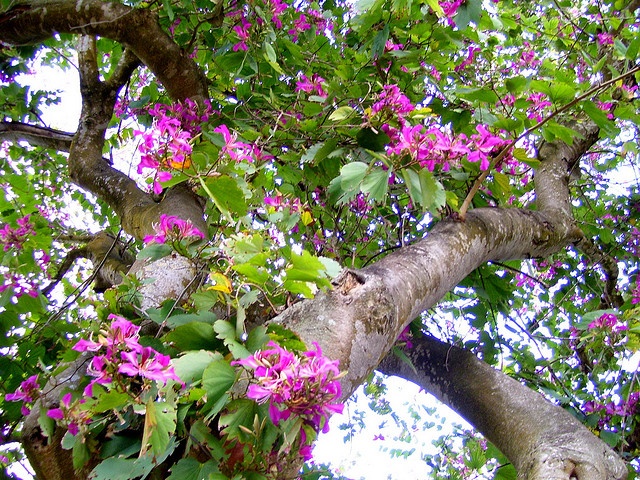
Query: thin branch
{"x": 483, "y": 176}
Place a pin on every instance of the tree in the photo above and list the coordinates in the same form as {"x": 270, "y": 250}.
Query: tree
{"x": 310, "y": 180}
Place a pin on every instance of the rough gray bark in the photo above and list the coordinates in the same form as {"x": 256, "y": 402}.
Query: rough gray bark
{"x": 542, "y": 440}
{"x": 28, "y": 22}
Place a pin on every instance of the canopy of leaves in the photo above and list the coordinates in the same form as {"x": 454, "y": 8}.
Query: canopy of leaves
{"x": 336, "y": 132}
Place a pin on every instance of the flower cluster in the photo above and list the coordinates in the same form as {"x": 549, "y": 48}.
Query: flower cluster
{"x": 311, "y": 85}
{"x": 431, "y": 145}
{"x": 625, "y": 408}
{"x": 237, "y": 150}
{"x": 608, "y": 321}
{"x": 168, "y": 143}
{"x": 172, "y": 228}
{"x": 538, "y": 105}
{"x": 304, "y": 19}
{"x": 20, "y": 286}
{"x": 27, "y": 393}
{"x": 15, "y": 237}
{"x": 303, "y": 386}
{"x": 279, "y": 202}
{"x": 124, "y": 355}
{"x": 70, "y": 414}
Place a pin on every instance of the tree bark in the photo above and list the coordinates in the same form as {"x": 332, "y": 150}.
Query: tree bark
{"x": 30, "y": 22}
{"x": 543, "y": 441}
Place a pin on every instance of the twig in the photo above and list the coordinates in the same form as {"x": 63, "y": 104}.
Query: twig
{"x": 483, "y": 176}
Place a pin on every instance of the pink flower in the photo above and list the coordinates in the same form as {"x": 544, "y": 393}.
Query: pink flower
{"x": 608, "y": 321}
{"x": 484, "y": 144}
{"x": 98, "y": 367}
{"x": 28, "y": 392}
{"x": 393, "y": 100}
{"x": 15, "y": 237}
{"x": 173, "y": 228}
{"x": 70, "y": 415}
{"x": 121, "y": 333}
{"x": 148, "y": 363}
{"x": 311, "y": 85}
{"x": 235, "y": 149}
{"x": 303, "y": 386}
{"x": 538, "y": 104}
{"x": 242, "y": 31}
{"x": 471, "y": 53}
{"x": 605, "y": 38}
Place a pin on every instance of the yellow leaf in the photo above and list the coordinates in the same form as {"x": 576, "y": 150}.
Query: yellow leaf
{"x": 307, "y": 218}
{"x": 221, "y": 282}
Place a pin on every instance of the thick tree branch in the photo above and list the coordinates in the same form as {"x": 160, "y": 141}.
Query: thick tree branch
{"x": 137, "y": 29}
{"x": 543, "y": 441}
{"x": 136, "y": 209}
{"x": 361, "y": 318}
{"x": 37, "y": 136}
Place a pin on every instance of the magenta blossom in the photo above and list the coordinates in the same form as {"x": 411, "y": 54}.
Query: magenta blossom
{"x": 483, "y": 145}
{"x": 304, "y": 386}
{"x": 68, "y": 413}
{"x": 148, "y": 363}
{"x": 242, "y": 31}
{"x": 608, "y": 321}
{"x": 27, "y": 393}
{"x": 121, "y": 333}
{"x": 173, "y": 228}
{"x": 235, "y": 149}
{"x": 392, "y": 100}
{"x": 311, "y": 85}
{"x": 15, "y": 237}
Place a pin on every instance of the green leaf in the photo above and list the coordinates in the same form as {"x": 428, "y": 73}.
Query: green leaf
{"x": 240, "y": 412}
{"x": 168, "y": 9}
{"x": 341, "y": 113}
{"x": 159, "y": 425}
{"x": 599, "y": 117}
{"x": 154, "y": 251}
{"x": 372, "y": 140}
{"x": 424, "y": 189}
{"x": 307, "y": 268}
{"x": 469, "y": 12}
{"x": 226, "y": 195}
{"x": 376, "y": 184}
{"x": 193, "y": 336}
{"x": 80, "y": 455}
{"x": 552, "y": 130}
{"x": 117, "y": 468}
{"x": 435, "y": 6}
{"x": 379, "y": 42}
{"x": 217, "y": 379}
{"x": 319, "y": 151}
{"x": 190, "y": 366}
{"x": 110, "y": 400}
{"x": 191, "y": 469}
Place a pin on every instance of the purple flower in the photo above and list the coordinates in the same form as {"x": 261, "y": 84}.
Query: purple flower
{"x": 484, "y": 144}
{"x": 242, "y": 31}
{"x": 236, "y": 150}
{"x": 393, "y": 100}
{"x": 608, "y": 321}
{"x": 148, "y": 363}
{"x": 27, "y": 392}
{"x": 605, "y": 38}
{"x": 15, "y": 237}
{"x": 174, "y": 228}
{"x": 311, "y": 85}
{"x": 70, "y": 414}
{"x": 303, "y": 386}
